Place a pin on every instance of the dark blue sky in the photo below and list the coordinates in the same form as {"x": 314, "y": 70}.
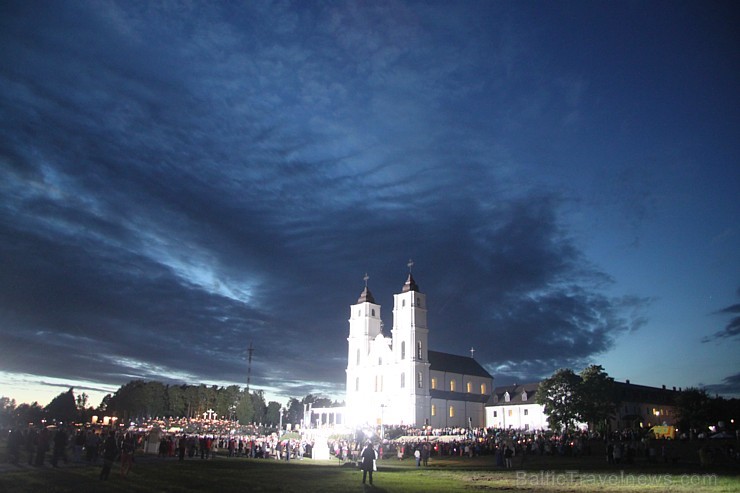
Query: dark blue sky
{"x": 178, "y": 180}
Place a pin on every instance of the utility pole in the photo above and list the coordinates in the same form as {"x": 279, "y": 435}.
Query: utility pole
{"x": 249, "y": 366}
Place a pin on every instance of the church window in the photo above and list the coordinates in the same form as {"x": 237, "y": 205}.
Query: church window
{"x": 434, "y": 383}
{"x": 358, "y": 356}
{"x": 418, "y": 350}
{"x": 509, "y": 412}
{"x": 526, "y": 426}
{"x": 420, "y": 380}
{"x": 452, "y": 411}
{"x": 452, "y": 385}
{"x": 359, "y": 313}
{"x": 507, "y": 397}
{"x": 403, "y": 380}
{"x": 403, "y": 349}
{"x": 357, "y": 383}
{"x": 469, "y": 387}
{"x": 483, "y": 388}
{"x": 526, "y": 412}
{"x": 380, "y": 361}
{"x": 373, "y": 311}
{"x": 495, "y": 414}
{"x": 403, "y": 303}
{"x": 418, "y": 302}
{"x": 434, "y": 409}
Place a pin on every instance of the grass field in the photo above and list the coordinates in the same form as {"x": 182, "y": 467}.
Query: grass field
{"x": 223, "y": 475}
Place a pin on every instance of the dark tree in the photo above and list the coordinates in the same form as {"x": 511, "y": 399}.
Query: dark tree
{"x": 63, "y": 408}
{"x": 560, "y": 397}
{"x": 260, "y": 406}
{"x": 596, "y": 397}
{"x": 245, "y": 409}
{"x": 693, "y": 408}
{"x": 226, "y": 400}
{"x": 176, "y": 405}
{"x": 28, "y": 413}
{"x": 272, "y": 416}
{"x": 7, "y": 412}
{"x": 294, "y": 412}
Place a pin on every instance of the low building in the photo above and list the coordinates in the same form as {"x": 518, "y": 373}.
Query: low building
{"x": 638, "y": 406}
{"x": 513, "y": 407}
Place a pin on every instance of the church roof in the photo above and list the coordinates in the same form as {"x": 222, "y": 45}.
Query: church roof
{"x": 366, "y": 296}
{"x": 515, "y": 394}
{"x": 410, "y": 285}
{"x": 453, "y": 363}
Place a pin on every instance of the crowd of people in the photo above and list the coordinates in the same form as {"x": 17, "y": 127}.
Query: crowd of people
{"x": 187, "y": 439}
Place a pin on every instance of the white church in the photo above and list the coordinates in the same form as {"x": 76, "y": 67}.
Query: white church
{"x": 397, "y": 380}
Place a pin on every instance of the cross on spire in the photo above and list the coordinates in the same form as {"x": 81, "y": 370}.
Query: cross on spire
{"x": 366, "y": 278}
{"x": 472, "y": 352}
{"x": 410, "y": 265}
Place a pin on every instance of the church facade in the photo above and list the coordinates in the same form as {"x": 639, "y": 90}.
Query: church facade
{"x": 398, "y": 380}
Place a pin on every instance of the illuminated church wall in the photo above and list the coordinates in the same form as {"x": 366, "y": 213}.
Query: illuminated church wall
{"x": 389, "y": 379}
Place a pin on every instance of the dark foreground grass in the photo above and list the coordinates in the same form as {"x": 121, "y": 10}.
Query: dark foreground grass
{"x": 444, "y": 475}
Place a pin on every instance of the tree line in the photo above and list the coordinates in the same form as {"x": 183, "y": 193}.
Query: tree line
{"x": 140, "y": 399}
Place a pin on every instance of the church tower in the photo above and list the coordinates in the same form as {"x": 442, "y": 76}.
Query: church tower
{"x": 410, "y": 335}
{"x": 365, "y": 326}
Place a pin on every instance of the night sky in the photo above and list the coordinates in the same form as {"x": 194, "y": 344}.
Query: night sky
{"x": 181, "y": 179}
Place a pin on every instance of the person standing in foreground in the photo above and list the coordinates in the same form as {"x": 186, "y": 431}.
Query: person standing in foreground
{"x": 110, "y": 453}
{"x": 128, "y": 447}
{"x": 368, "y": 456}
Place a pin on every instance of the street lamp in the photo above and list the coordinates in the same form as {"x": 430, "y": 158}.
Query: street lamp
{"x": 382, "y": 430}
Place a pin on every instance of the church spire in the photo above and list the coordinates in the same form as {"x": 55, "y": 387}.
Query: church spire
{"x": 410, "y": 283}
{"x": 366, "y": 296}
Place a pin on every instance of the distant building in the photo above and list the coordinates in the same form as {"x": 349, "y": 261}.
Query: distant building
{"x": 397, "y": 380}
{"x": 638, "y": 406}
{"x": 514, "y": 407}
{"x": 642, "y": 406}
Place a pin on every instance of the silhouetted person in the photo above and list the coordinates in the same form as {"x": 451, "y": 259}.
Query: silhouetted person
{"x": 110, "y": 452}
{"x": 60, "y": 447}
{"x": 42, "y": 446}
{"x": 368, "y": 457}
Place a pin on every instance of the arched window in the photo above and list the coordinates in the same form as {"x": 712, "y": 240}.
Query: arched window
{"x": 418, "y": 350}
{"x": 452, "y": 411}
{"x": 403, "y": 380}
{"x": 469, "y": 387}
{"x": 418, "y": 302}
{"x": 403, "y": 349}
{"x": 420, "y": 380}
{"x": 434, "y": 383}
{"x": 483, "y": 388}
{"x": 434, "y": 409}
{"x": 403, "y": 303}
{"x": 452, "y": 385}
{"x": 380, "y": 361}
{"x": 373, "y": 311}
